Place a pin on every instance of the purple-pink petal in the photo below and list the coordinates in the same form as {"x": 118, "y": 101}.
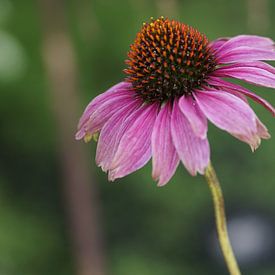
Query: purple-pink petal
{"x": 216, "y": 44}
{"x": 194, "y": 115}
{"x": 228, "y": 112}
{"x": 258, "y": 76}
{"x": 99, "y": 112}
{"x": 134, "y": 149}
{"x": 164, "y": 156}
{"x": 246, "y": 54}
{"x": 255, "y": 140}
{"x": 111, "y": 134}
{"x": 262, "y": 131}
{"x": 193, "y": 151}
{"x": 116, "y": 90}
{"x": 254, "y": 64}
{"x": 253, "y": 41}
{"x": 234, "y": 88}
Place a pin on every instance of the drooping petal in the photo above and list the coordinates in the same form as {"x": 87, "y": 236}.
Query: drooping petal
{"x": 165, "y": 158}
{"x": 253, "y": 41}
{"x": 111, "y": 134}
{"x": 246, "y": 54}
{"x": 116, "y": 90}
{"x": 254, "y": 64}
{"x": 134, "y": 149}
{"x": 216, "y": 44}
{"x": 258, "y": 76}
{"x": 193, "y": 151}
{"x": 101, "y": 111}
{"x": 262, "y": 130}
{"x": 255, "y": 140}
{"x": 231, "y": 87}
{"x": 229, "y": 113}
{"x": 194, "y": 115}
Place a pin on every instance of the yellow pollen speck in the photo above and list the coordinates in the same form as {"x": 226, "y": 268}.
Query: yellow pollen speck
{"x": 95, "y": 136}
{"x": 88, "y": 137}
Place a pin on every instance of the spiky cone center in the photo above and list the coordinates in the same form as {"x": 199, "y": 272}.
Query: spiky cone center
{"x": 168, "y": 59}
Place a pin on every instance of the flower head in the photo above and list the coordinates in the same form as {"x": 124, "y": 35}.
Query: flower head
{"x": 168, "y": 59}
{"x": 174, "y": 84}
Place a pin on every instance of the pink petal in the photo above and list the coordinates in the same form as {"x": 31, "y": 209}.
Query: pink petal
{"x": 193, "y": 151}
{"x": 254, "y": 64}
{"x": 255, "y": 140}
{"x": 262, "y": 130}
{"x": 228, "y": 112}
{"x": 165, "y": 158}
{"x": 253, "y": 41}
{"x": 111, "y": 134}
{"x": 219, "y": 83}
{"x": 216, "y": 44}
{"x": 245, "y": 54}
{"x": 194, "y": 115}
{"x": 116, "y": 90}
{"x": 258, "y": 76}
{"x": 134, "y": 149}
{"x": 93, "y": 120}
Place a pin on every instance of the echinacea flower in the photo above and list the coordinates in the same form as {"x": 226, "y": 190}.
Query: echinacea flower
{"x": 174, "y": 85}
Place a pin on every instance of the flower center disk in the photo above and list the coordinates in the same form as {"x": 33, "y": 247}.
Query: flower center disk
{"x": 168, "y": 59}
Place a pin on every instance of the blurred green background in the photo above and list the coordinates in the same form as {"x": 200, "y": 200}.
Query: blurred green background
{"x": 144, "y": 230}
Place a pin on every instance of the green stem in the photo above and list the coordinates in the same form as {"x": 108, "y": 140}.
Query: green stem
{"x": 218, "y": 200}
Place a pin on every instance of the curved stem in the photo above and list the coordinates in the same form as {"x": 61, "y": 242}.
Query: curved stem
{"x": 217, "y": 196}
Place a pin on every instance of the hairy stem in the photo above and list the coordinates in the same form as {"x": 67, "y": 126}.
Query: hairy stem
{"x": 218, "y": 201}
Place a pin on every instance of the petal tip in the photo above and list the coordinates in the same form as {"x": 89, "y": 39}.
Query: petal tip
{"x": 162, "y": 182}
{"x": 79, "y": 135}
{"x": 111, "y": 176}
{"x": 159, "y": 185}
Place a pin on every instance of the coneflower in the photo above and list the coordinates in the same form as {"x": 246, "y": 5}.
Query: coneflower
{"x": 174, "y": 84}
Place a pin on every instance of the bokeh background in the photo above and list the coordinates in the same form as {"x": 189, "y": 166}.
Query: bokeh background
{"x": 58, "y": 213}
